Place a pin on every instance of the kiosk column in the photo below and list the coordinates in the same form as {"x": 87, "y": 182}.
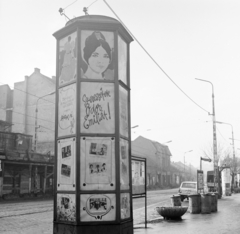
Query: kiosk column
{"x": 93, "y": 137}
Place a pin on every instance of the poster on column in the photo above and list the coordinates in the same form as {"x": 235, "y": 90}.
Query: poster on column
{"x": 124, "y": 164}
{"x": 97, "y": 108}
{"x": 67, "y": 110}
{"x": 123, "y": 110}
{"x": 66, "y": 164}
{"x": 98, "y": 207}
{"x": 138, "y": 177}
{"x": 97, "y": 49}
{"x": 122, "y": 60}
{"x": 125, "y": 205}
{"x": 66, "y": 207}
{"x": 97, "y": 163}
{"x": 67, "y": 59}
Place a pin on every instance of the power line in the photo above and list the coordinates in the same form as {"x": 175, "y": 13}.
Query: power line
{"x": 14, "y": 88}
{"x": 29, "y": 116}
{"x": 153, "y": 58}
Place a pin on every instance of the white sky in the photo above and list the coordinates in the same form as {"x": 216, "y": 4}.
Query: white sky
{"x": 187, "y": 38}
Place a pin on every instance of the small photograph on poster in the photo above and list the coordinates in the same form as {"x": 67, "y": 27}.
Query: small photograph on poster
{"x": 98, "y": 149}
{"x": 97, "y": 55}
{"x": 66, "y": 151}
{"x": 67, "y": 59}
{"x": 125, "y": 206}
{"x": 98, "y": 204}
{"x": 66, "y": 207}
{"x": 66, "y": 170}
{"x": 97, "y": 168}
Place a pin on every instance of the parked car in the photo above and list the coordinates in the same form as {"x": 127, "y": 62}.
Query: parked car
{"x": 187, "y": 188}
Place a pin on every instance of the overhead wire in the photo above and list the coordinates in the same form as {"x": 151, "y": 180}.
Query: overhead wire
{"x": 153, "y": 58}
{"x": 29, "y": 116}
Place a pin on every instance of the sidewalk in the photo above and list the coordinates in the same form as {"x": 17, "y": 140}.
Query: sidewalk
{"x": 226, "y": 220}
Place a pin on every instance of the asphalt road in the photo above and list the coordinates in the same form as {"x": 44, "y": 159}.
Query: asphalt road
{"x": 37, "y": 216}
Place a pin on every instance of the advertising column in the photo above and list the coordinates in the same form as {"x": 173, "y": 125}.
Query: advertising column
{"x": 93, "y": 140}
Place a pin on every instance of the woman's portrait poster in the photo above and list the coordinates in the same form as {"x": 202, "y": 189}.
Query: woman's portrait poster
{"x": 97, "y": 111}
{"x": 122, "y": 60}
{"x": 67, "y": 110}
{"x": 67, "y": 59}
{"x": 66, "y": 164}
{"x": 97, "y": 163}
{"x": 97, "y": 49}
{"x": 124, "y": 164}
{"x": 123, "y": 110}
{"x": 125, "y": 205}
{"x": 66, "y": 207}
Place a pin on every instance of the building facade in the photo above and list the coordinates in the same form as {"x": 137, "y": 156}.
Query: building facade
{"x": 27, "y": 130}
{"x": 161, "y": 172}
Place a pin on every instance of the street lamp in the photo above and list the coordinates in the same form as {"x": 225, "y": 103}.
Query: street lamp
{"x": 135, "y": 126}
{"x": 234, "y": 165}
{"x": 215, "y": 166}
{"x": 184, "y": 158}
{"x": 167, "y": 142}
{"x": 36, "y": 119}
{"x": 204, "y": 159}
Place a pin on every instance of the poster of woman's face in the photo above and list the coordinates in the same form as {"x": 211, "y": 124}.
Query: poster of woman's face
{"x": 97, "y": 55}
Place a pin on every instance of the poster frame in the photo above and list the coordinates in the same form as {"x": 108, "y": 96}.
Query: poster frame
{"x": 144, "y": 194}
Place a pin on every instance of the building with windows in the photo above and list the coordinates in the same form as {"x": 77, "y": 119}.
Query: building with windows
{"x": 161, "y": 172}
{"x": 27, "y": 130}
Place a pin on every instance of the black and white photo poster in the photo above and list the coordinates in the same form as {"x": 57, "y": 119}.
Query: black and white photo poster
{"x": 66, "y": 164}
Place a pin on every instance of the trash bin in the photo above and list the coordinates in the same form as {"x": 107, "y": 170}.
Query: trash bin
{"x": 213, "y": 202}
{"x": 176, "y": 200}
{"x": 194, "y": 203}
{"x": 206, "y": 203}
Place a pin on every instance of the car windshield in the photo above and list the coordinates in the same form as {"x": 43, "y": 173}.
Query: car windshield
{"x": 189, "y": 185}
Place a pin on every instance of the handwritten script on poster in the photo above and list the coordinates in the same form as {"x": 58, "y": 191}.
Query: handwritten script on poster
{"x": 97, "y": 108}
{"x": 67, "y": 110}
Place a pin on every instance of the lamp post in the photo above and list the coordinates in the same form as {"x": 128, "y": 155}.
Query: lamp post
{"x": 204, "y": 159}
{"x": 234, "y": 164}
{"x": 215, "y": 166}
{"x": 167, "y": 142}
{"x": 135, "y": 126}
{"x": 36, "y": 119}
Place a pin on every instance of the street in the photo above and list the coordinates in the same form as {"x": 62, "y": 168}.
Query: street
{"x": 36, "y": 217}
{"x": 26, "y": 216}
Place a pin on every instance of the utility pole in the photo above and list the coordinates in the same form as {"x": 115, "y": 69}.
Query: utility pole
{"x": 215, "y": 159}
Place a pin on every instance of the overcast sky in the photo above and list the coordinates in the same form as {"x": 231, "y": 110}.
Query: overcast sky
{"x": 188, "y": 39}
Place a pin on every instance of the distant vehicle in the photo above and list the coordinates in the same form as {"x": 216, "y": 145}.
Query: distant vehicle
{"x": 187, "y": 188}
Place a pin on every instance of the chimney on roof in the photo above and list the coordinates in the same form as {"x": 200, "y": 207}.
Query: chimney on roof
{"x": 37, "y": 70}
{"x": 54, "y": 78}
